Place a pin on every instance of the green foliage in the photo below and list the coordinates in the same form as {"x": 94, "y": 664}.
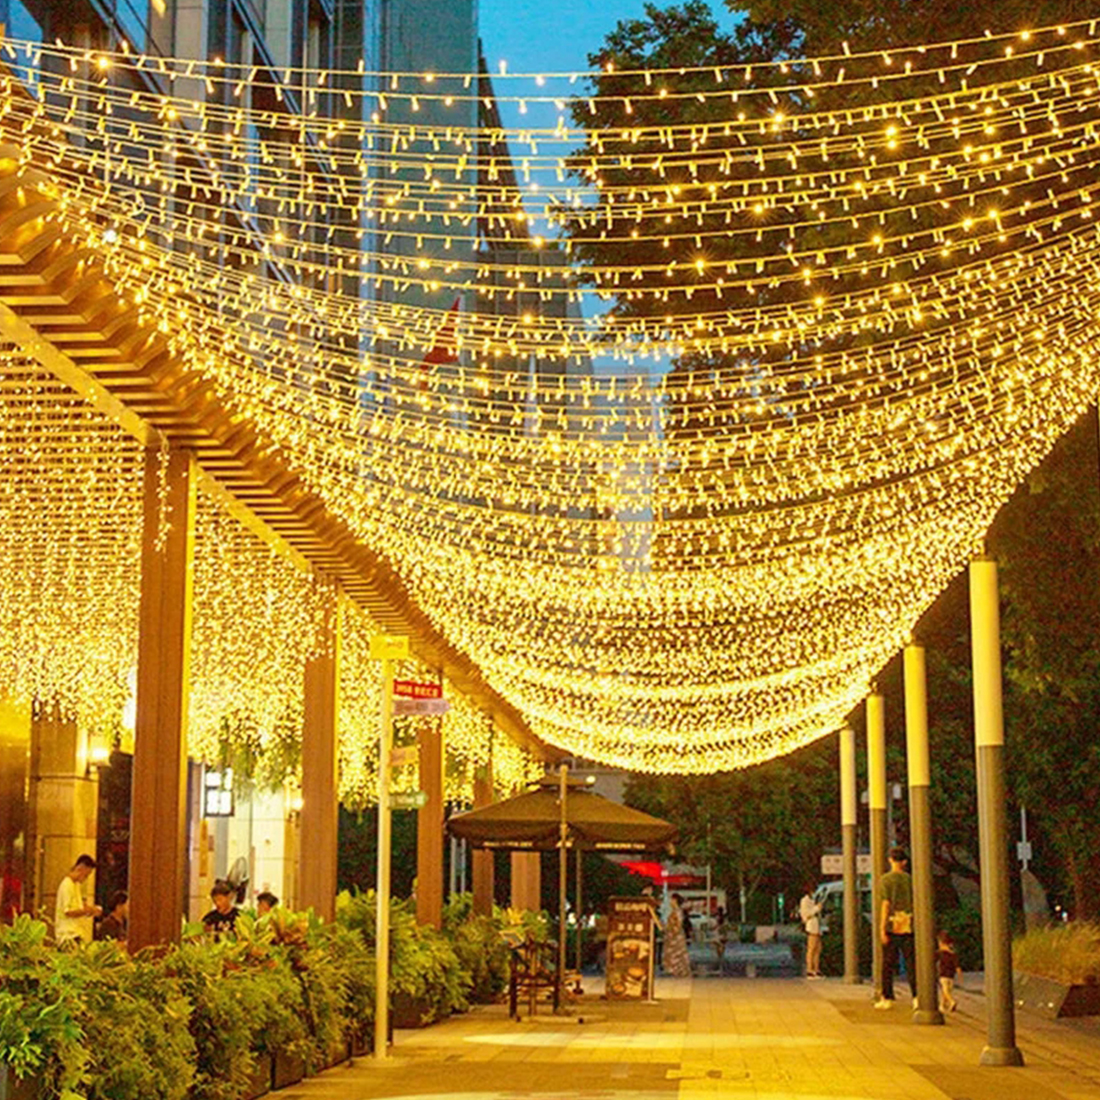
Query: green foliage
{"x": 40, "y": 1034}
{"x": 480, "y": 947}
{"x": 423, "y": 961}
{"x": 230, "y": 1007}
{"x": 82, "y": 1021}
{"x": 1067, "y": 953}
{"x": 301, "y": 945}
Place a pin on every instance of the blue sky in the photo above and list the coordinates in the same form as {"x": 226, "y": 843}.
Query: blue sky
{"x": 550, "y": 35}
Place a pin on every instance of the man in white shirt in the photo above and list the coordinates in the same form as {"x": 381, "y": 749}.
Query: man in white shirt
{"x": 809, "y": 911}
{"x": 72, "y": 921}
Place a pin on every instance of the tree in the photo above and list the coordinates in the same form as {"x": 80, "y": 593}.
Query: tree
{"x": 1048, "y": 540}
{"x": 763, "y": 828}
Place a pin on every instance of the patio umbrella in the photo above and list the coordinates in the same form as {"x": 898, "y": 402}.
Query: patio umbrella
{"x": 562, "y": 813}
{"x": 532, "y": 822}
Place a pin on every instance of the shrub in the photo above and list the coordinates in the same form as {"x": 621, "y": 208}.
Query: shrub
{"x": 1067, "y": 953}
{"x": 302, "y": 947}
{"x": 479, "y": 944}
{"x": 135, "y": 1052}
{"x": 40, "y": 1035}
{"x": 423, "y": 962}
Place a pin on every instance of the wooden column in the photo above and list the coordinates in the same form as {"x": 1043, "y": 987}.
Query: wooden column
{"x": 481, "y": 874}
{"x": 527, "y": 881}
{"x": 429, "y": 826}
{"x": 158, "y": 820}
{"x": 320, "y": 741}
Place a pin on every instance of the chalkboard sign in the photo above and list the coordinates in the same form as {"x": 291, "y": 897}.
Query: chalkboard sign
{"x": 631, "y": 924}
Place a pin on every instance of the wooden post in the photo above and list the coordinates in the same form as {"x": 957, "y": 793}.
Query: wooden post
{"x": 527, "y": 881}
{"x": 482, "y": 870}
{"x": 429, "y": 826}
{"x": 158, "y": 835}
{"x": 320, "y": 740}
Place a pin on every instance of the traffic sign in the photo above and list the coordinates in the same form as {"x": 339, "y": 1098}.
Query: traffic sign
{"x": 389, "y": 647}
{"x": 833, "y": 864}
{"x": 403, "y": 707}
{"x": 408, "y": 800}
{"x": 404, "y": 756}
{"x": 417, "y": 689}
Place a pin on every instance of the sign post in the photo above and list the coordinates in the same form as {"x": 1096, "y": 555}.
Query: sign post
{"x": 386, "y": 648}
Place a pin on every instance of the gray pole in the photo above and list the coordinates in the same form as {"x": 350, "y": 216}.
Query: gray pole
{"x": 985, "y": 635}
{"x": 920, "y": 835}
{"x": 876, "y": 797}
{"x": 848, "y": 842}
{"x": 563, "y": 867}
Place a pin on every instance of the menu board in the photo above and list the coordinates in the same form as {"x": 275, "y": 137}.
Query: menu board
{"x": 630, "y": 948}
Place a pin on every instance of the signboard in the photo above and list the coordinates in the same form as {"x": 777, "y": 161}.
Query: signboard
{"x": 389, "y": 647}
{"x": 404, "y": 707}
{"x": 833, "y": 864}
{"x": 631, "y": 924}
{"x": 415, "y": 689}
{"x": 408, "y": 800}
{"x": 404, "y": 756}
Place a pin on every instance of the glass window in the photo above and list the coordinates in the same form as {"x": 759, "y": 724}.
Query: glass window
{"x": 21, "y": 25}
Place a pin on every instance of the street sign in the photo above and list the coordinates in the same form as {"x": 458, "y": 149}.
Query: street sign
{"x": 404, "y": 756}
{"x": 403, "y": 707}
{"x": 389, "y": 647}
{"x": 417, "y": 689}
{"x": 833, "y": 864}
{"x": 408, "y": 800}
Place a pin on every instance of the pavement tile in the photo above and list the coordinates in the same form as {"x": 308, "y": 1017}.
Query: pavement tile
{"x": 745, "y": 1039}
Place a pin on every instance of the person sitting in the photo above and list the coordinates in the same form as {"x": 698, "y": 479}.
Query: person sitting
{"x": 114, "y": 925}
{"x": 265, "y": 902}
{"x": 222, "y": 919}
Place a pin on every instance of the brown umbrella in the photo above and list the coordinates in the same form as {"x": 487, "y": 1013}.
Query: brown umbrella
{"x": 562, "y": 814}
{"x": 532, "y": 822}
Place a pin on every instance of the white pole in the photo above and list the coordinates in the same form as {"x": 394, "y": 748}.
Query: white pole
{"x": 382, "y": 919}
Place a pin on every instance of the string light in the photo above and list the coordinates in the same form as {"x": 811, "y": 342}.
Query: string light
{"x": 881, "y": 287}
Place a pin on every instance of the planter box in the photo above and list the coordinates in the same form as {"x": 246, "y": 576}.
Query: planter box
{"x": 409, "y": 1011}
{"x": 361, "y": 1041}
{"x": 260, "y": 1084}
{"x": 1053, "y": 999}
{"x": 15, "y": 1088}
{"x": 338, "y": 1054}
{"x": 286, "y": 1069}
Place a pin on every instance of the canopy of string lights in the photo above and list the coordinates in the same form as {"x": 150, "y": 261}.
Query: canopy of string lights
{"x": 877, "y": 288}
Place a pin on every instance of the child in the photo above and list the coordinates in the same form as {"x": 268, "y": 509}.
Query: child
{"x": 947, "y": 963}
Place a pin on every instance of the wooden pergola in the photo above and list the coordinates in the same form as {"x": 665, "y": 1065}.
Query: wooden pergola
{"x": 60, "y": 307}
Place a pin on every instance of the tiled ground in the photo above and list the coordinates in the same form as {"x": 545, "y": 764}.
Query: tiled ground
{"x": 763, "y": 1039}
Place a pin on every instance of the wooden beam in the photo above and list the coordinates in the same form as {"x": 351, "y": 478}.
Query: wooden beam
{"x": 158, "y": 825}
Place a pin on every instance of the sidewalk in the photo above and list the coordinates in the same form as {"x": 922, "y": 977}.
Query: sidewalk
{"x": 762, "y": 1039}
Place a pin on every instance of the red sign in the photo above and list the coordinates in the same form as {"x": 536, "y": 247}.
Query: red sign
{"x": 412, "y": 689}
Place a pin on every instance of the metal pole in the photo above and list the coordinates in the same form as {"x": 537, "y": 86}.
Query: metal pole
{"x": 382, "y": 918}
{"x": 848, "y": 841}
{"x": 920, "y": 834}
{"x": 985, "y": 634}
{"x": 563, "y": 867}
{"x": 876, "y": 805}
{"x": 580, "y": 907}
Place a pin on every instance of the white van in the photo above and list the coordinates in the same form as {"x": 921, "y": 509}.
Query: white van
{"x": 830, "y": 896}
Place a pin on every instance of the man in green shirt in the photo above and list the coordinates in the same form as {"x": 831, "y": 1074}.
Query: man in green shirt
{"x": 896, "y": 927}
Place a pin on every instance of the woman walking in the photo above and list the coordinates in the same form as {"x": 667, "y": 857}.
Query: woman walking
{"x": 676, "y": 961}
